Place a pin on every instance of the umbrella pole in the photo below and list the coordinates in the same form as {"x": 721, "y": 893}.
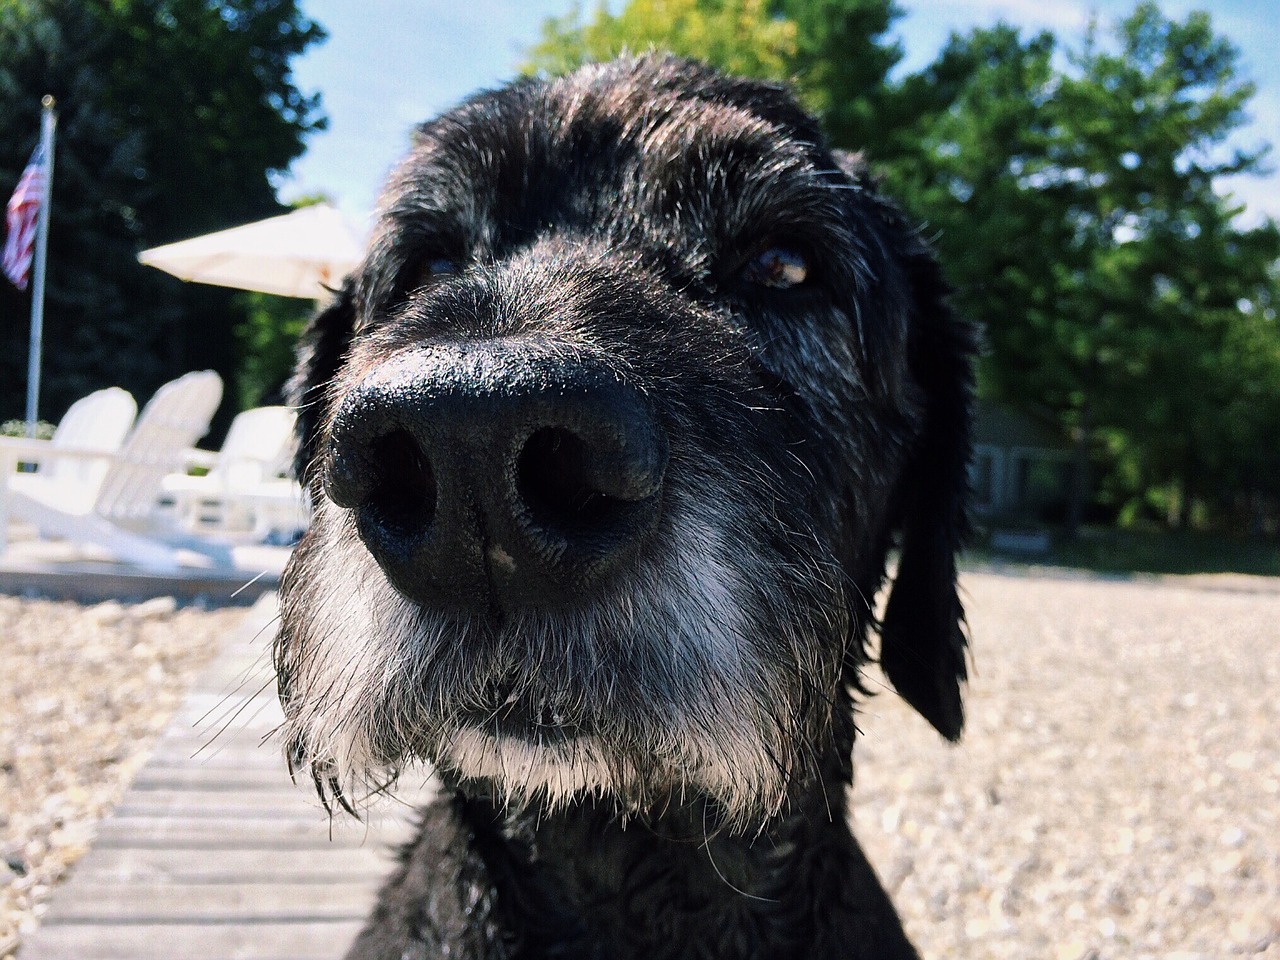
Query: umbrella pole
{"x": 49, "y": 120}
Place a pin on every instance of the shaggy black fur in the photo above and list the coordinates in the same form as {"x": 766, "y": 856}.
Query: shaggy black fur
{"x": 608, "y": 441}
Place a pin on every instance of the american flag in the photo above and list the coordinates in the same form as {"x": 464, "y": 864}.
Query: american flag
{"x": 20, "y": 219}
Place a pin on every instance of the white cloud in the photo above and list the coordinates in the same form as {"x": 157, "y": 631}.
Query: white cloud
{"x": 1261, "y": 196}
{"x": 1260, "y": 193}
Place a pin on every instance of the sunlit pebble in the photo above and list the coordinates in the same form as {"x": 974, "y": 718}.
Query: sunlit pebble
{"x": 890, "y": 819}
{"x": 1248, "y": 930}
{"x": 107, "y": 613}
{"x": 1232, "y": 837}
{"x": 1240, "y": 760}
{"x": 1073, "y": 950}
{"x": 1228, "y": 862}
{"x": 1198, "y": 895}
{"x": 976, "y": 928}
{"x": 154, "y": 609}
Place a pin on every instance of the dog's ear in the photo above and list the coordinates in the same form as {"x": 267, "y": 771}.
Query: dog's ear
{"x": 321, "y": 351}
{"x": 922, "y": 636}
{"x": 922, "y": 640}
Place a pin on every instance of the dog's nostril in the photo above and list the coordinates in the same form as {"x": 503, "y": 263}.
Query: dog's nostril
{"x": 404, "y": 489}
{"x": 560, "y": 484}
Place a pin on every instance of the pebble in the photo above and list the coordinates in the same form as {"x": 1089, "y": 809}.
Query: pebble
{"x": 154, "y": 609}
{"x": 105, "y": 614}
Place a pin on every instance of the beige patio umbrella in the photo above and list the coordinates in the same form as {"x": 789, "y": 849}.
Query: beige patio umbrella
{"x": 297, "y": 254}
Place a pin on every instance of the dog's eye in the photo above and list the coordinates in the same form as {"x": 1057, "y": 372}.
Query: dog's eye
{"x": 432, "y": 270}
{"x": 777, "y": 267}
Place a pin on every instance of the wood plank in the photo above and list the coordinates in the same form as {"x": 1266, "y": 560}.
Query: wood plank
{"x": 241, "y": 833}
{"x": 162, "y": 867}
{"x": 220, "y": 760}
{"x": 218, "y": 781}
{"x": 232, "y": 806}
{"x": 241, "y": 810}
{"x": 239, "y": 805}
{"x": 202, "y": 903}
{"x": 188, "y": 799}
{"x": 229, "y": 772}
{"x": 222, "y": 755}
{"x": 232, "y": 940}
{"x": 192, "y": 743}
{"x": 185, "y": 790}
{"x": 205, "y": 782}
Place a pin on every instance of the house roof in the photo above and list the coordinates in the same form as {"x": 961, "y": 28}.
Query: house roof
{"x": 1002, "y": 425}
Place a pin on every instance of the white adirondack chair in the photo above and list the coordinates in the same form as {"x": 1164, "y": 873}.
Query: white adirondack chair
{"x": 245, "y": 492}
{"x": 94, "y": 424}
{"x": 118, "y": 512}
{"x": 97, "y": 423}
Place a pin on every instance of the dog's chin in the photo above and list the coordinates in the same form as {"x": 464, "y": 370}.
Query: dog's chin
{"x": 553, "y": 772}
{"x": 552, "y": 767}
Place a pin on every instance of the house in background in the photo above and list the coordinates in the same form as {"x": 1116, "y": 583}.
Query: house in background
{"x": 1021, "y": 469}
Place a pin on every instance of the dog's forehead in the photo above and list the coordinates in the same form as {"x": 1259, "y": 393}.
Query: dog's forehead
{"x": 651, "y": 108}
{"x": 642, "y": 136}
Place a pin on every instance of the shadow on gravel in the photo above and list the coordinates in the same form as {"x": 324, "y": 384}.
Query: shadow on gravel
{"x": 1119, "y": 554}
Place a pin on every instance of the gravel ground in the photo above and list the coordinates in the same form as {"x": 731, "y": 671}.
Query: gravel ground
{"x": 84, "y": 690}
{"x": 1117, "y": 793}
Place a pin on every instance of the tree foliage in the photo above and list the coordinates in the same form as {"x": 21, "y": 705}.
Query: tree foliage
{"x": 175, "y": 117}
{"x": 1078, "y": 213}
{"x": 1075, "y": 199}
{"x": 737, "y": 35}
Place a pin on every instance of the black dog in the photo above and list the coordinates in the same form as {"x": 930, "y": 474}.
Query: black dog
{"x": 608, "y": 440}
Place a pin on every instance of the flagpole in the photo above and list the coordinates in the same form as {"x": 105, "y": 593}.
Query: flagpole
{"x": 49, "y": 120}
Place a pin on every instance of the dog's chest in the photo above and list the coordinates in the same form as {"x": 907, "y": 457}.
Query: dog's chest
{"x": 577, "y": 889}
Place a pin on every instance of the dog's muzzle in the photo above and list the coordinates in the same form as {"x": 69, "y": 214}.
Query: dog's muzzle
{"x": 488, "y": 475}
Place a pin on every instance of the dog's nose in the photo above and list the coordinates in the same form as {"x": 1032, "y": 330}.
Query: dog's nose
{"x": 488, "y": 473}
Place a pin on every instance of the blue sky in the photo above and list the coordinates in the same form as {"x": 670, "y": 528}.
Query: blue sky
{"x": 389, "y": 64}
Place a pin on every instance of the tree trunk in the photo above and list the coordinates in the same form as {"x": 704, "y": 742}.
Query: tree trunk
{"x": 1180, "y": 517}
{"x": 1078, "y": 489}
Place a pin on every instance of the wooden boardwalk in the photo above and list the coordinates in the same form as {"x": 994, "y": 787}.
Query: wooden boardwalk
{"x": 213, "y": 854}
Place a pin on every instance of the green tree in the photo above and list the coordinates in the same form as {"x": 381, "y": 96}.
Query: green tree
{"x": 740, "y": 36}
{"x": 1076, "y": 211}
{"x": 176, "y": 117}
{"x": 987, "y": 178}
{"x": 840, "y": 67}
{"x": 1141, "y": 338}
{"x": 267, "y": 337}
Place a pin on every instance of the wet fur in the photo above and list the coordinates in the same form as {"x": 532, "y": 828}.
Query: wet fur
{"x": 605, "y": 218}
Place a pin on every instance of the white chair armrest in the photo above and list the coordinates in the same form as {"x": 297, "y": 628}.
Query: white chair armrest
{"x": 195, "y": 457}
{"x": 22, "y": 450}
